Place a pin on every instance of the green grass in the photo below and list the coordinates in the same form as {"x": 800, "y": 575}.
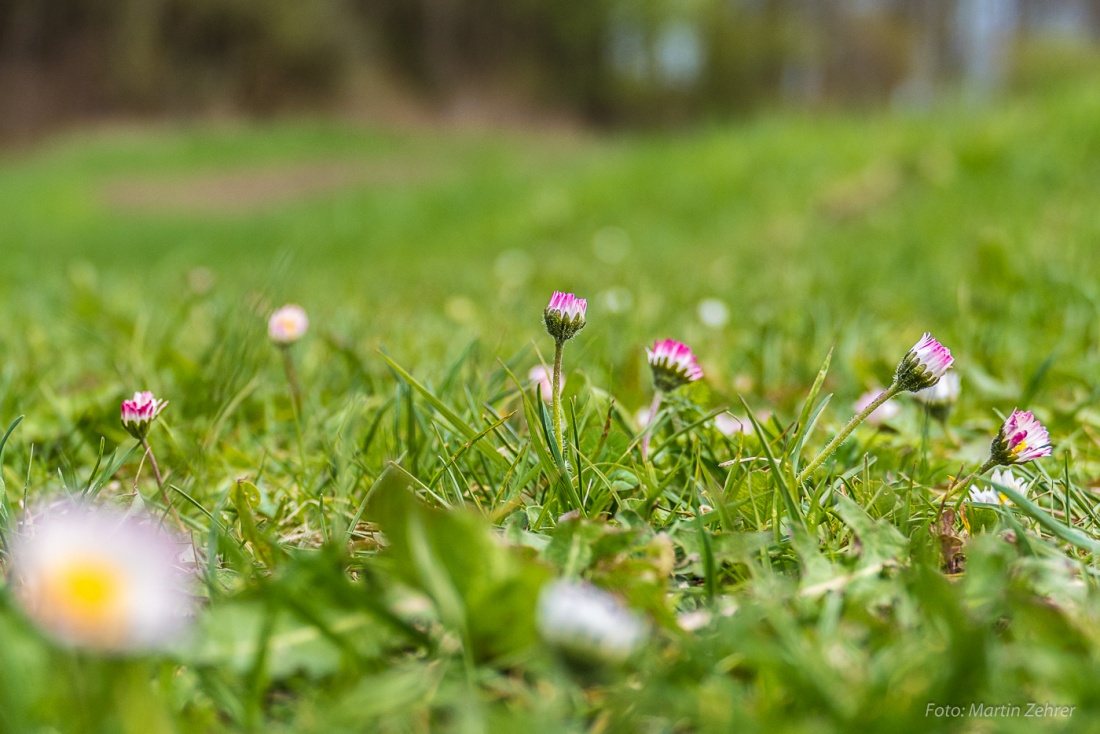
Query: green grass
{"x": 380, "y": 574}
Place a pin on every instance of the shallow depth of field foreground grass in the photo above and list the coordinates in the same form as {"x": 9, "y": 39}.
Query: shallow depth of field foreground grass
{"x": 378, "y": 570}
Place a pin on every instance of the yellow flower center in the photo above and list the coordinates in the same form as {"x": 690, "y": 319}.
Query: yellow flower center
{"x": 85, "y": 598}
{"x": 1018, "y": 448}
{"x": 89, "y": 586}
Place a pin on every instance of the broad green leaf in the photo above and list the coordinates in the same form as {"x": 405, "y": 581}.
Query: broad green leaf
{"x": 484, "y": 589}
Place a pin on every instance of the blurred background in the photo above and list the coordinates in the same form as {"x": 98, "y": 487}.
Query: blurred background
{"x": 761, "y": 178}
{"x": 519, "y": 62}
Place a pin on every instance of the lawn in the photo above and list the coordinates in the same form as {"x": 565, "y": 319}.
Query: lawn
{"x": 374, "y": 561}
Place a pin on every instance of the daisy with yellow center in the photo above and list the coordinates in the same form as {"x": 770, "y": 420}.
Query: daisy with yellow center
{"x": 991, "y": 495}
{"x": 288, "y": 324}
{"x": 97, "y": 579}
{"x": 1022, "y": 438}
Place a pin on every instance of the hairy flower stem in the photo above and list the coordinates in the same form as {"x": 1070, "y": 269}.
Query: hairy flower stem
{"x": 833, "y": 445}
{"x": 160, "y": 483}
{"x": 559, "y": 434}
{"x": 649, "y": 424}
{"x": 959, "y": 487}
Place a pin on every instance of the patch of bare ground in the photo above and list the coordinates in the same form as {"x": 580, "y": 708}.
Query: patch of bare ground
{"x": 259, "y": 188}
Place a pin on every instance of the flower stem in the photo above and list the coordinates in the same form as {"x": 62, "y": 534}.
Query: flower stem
{"x": 833, "y": 445}
{"x": 292, "y": 378}
{"x": 559, "y": 435}
{"x": 958, "y": 487}
{"x": 653, "y": 408}
{"x": 296, "y": 400}
{"x": 160, "y": 483}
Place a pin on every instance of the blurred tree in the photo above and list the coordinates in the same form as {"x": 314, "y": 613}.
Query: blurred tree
{"x": 603, "y": 61}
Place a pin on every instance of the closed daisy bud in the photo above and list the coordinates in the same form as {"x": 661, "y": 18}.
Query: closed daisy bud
{"x": 564, "y": 316}
{"x": 672, "y": 364}
{"x": 924, "y": 365}
{"x": 1021, "y": 439}
{"x": 139, "y": 413}
{"x": 98, "y": 579}
{"x": 587, "y": 624}
{"x": 288, "y": 324}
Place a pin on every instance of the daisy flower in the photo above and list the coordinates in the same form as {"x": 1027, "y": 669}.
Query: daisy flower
{"x": 673, "y": 364}
{"x": 880, "y": 415}
{"x": 564, "y": 316}
{"x": 730, "y": 425}
{"x": 588, "y": 624}
{"x": 542, "y": 380}
{"x": 1021, "y": 439}
{"x": 939, "y": 399}
{"x": 288, "y": 324}
{"x": 923, "y": 365}
{"x": 99, "y": 579}
{"x": 944, "y": 392}
{"x": 139, "y": 413}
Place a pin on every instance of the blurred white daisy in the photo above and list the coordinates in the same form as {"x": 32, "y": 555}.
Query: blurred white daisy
{"x": 713, "y": 312}
{"x": 616, "y": 300}
{"x": 100, "y": 579}
{"x": 288, "y": 324}
{"x": 542, "y": 380}
{"x": 729, "y": 425}
{"x": 587, "y": 623}
{"x": 882, "y": 414}
{"x": 944, "y": 392}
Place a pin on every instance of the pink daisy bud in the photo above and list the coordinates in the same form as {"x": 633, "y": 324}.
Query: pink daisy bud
{"x": 1021, "y": 439}
{"x": 139, "y": 413}
{"x": 672, "y": 364}
{"x": 100, "y": 579}
{"x": 288, "y": 324}
{"x": 924, "y": 365}
{"x": 564, "y": 316}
